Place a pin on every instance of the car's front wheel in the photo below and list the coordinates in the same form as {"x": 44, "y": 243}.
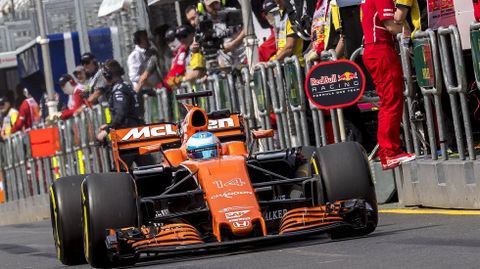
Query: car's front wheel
{"x": 109, "y": 201}
{"x": 346, "y": 174}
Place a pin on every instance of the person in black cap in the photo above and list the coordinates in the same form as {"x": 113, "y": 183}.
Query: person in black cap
{"x": 89, "y": 62}
{"x": 94, "y": 86}
{"x": 124, "y": 106}
{"x": 122, "y": 100}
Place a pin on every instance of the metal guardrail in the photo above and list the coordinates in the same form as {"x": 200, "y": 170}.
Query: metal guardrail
{"x": 272, "y": 88}
{"x": 430, "y": 81}
{"x": 455, "y": 79}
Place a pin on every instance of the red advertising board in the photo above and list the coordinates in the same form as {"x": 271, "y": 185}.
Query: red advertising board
{"x": 44, "y": 142}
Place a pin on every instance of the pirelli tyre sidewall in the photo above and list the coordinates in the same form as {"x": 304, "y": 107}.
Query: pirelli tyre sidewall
{"x": 346, "y": 174}
{"x": 66, "y": 217}
{"x": 109, "y": 201}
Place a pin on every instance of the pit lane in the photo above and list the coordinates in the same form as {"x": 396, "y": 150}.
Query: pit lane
{"x": 404, "y": 239}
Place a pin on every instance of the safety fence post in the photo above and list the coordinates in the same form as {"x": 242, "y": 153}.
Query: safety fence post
{"x": 276, "y": 91}
{"x": 221, "y": 92}
{"x": 338, "y": 122}
{"x": 294, "y": 79}
{"x": 93, "y": 150}
{"x": 30, "y": 167}
{"x": 427, "y": 68}
{"x": 249, "y": 111}
{"x": 263, "y": 101}
{"x": 147, "y": 109}
{"x": 475, "y": 43}
{"x": 103, "y": 117}
{"x": 234, "y": 98}
{"x": 82, "y": 153}
{"x": 318, "y": 119}
{"x": 10, "y": 175}
{"x": 409, "y": 130}
{"x": 455, "y": 79}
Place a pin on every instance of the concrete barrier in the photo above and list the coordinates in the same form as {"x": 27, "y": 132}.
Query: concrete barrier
{"x": 30, "y": 209}
{"x": 442, "y": 184}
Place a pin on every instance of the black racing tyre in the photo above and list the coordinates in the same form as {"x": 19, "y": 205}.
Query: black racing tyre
{"x": 109, "y": 201}
{"x": 346, "y": 174}
{"x": 66, "y": 217}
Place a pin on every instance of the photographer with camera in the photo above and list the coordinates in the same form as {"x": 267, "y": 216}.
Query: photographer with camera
{"x": 219, "y": 33}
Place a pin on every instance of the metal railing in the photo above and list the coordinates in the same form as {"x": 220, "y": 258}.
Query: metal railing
{"x": 270, "y": 89}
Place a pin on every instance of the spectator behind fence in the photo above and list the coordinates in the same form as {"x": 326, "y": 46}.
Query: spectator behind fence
{"x": 269, "y": 47}
{"x": 326, "y": 32}
{"x": 183, "y": 59}
{"x": 381, "y": 60}
{"x": 28, "y": 113}
{"x": 125, "y": 109}
{"x": 94, "y": 85}
{"x": 10, "y": 114}
{"x": 287, "y": 41}
{"x": 80, "y": 75}
{"x": 138, "y": 59}
{"x": 148, "y": 69}
{"x": 76, "y": 101}
{"x": 164, "y": 53}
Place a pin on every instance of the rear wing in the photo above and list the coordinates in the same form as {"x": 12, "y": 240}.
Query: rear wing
{"x": 168, "y": 134}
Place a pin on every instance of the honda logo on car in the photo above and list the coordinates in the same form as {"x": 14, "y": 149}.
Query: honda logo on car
{"x": 230, "y": 194}
{"x": 241, "y": 224}
{"x": 146, "y": 132}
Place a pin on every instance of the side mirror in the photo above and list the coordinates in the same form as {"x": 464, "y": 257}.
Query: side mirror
{"x": 258, "y": 134}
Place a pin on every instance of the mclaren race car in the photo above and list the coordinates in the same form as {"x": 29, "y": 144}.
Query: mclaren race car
{"x": 185, "y": 204}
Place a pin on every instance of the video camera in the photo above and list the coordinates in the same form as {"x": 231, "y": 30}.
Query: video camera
{"x": 210, "y": 37}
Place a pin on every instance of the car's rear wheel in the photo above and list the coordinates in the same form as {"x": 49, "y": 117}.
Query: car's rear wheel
{"x": 66, "y": 217}
{"x": 109, "y": 201}
{"x": 346, "y": 174}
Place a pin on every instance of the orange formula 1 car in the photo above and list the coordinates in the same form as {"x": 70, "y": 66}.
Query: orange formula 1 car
{"x": 208, "y": 195}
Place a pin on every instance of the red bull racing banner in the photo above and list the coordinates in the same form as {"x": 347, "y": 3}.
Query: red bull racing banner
{"x": 335, "y": 84}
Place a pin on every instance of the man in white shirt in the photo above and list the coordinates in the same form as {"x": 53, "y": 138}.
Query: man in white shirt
{"x": 137, "y": 60}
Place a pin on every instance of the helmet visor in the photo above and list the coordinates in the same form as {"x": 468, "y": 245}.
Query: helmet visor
{"x": 203, "y": 153}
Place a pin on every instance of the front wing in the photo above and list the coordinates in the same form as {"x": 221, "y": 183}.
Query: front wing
{"x": 183, "y": 238}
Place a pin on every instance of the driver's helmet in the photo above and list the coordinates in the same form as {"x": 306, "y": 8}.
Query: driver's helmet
{"x": 203, "y": 146}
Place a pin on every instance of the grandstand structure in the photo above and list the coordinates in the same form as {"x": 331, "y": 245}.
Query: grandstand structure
{"x": 18, "y": 21}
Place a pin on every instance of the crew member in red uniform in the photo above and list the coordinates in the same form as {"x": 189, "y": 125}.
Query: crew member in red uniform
{"x": 184, "y": 35}
{"x": 76, "y": 102}
{"x": 381, "y": 61}
{"x": 28, "y": 113}
{"x": 476, "y": 10}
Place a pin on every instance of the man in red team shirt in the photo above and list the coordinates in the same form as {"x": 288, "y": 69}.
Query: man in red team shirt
{"x": 76, "y": 102}
{"x": 28, "y": 113}
{"x": 381, "y": 61}
{"x": 184, "y": 34}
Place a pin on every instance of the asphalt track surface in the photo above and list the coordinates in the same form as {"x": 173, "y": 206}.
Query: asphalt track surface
{"x": 425, "y": 239}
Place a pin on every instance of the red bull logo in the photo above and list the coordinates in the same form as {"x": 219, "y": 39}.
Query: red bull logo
{"x": 323, "y": 80}
{"x": 347, "y": 76}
